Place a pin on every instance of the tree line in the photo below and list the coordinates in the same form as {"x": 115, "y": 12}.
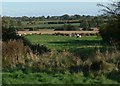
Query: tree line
{"x": 85, "y": 22}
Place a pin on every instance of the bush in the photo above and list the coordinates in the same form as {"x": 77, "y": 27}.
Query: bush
{"x": 9, "y": 33}
{"x": 36, "y": 48}
{"x": 39, "y": 49}
{"x": 111, "y": 32}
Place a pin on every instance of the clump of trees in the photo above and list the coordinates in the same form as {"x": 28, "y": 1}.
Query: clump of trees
{"x": 86, "y": 25}
{"x": 110, "y": 31}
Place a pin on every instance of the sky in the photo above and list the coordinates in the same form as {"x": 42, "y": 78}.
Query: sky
{"x": 12, "y": 8}
{"x": 57, "y": 0}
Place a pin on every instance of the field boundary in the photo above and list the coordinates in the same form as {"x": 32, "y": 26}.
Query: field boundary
{"x": 53, "y": 32}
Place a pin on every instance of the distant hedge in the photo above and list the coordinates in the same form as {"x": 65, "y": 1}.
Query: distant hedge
{"x": 67, "y": 28}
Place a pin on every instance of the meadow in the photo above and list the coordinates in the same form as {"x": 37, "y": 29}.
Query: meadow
{"x": 64, "y": 42}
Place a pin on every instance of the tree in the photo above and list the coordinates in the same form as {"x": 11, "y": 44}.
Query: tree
{"x": 8, "y": 29}
{"x": 112, "y": 9}
{"x": 85, "y": 24}
{"x": 110, "y": 31}
{"x": 65, "y": 17}
{"x": 48, "y": 17}
{"x": 5, "y": 22}
{"x": 19, "y": 25}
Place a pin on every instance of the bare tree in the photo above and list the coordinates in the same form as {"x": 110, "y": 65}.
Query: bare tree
{"x": 112, "y": 9}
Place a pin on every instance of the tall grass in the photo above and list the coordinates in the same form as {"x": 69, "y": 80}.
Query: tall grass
{"x": 56, "y": 61}
{"x": 16, "y": 54}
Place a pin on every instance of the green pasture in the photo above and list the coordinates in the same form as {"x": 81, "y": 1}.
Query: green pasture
{"x": 51, "y": 25}
{"x": 44, "y": 24}
{"x": 65, "y": 42}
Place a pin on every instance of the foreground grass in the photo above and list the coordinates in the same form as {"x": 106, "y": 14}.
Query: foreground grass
{"x": 57, "y": 78}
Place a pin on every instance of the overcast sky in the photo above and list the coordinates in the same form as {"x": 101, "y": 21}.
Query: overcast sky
{"x": 51, "y": 8}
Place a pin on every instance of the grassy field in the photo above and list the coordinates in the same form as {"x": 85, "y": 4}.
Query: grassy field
{"x": 64, "y": 42}
{"x": 44, "y": 24}
{"x": 51, "y": 25}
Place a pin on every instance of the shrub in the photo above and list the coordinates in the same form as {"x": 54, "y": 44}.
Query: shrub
{"x": 39, "y": 49}
{"x": 36, "y": 48}
{"x": 9, "y": 33}
{"x": 110, "y": 32}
